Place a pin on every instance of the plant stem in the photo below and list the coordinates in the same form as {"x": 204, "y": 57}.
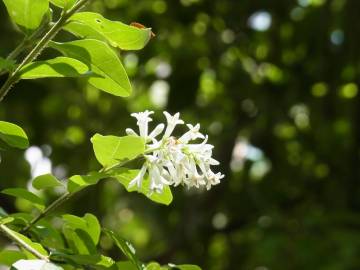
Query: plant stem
{"x": 55, "y": 204}
{"x": 11, "y": 235}
{"x": 14, "y": 76}
{"x": 26, "y": 42}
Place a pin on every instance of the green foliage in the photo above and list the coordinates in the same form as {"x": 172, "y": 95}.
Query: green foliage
{"x": 5, "y": 220}
{"x": 26, "y": 195}
{"x": 8, "y": 257}
{"x": 36, "y": 246}
{"x": 13, "y": 135}
{"x": 71, "y": 242}
{"x": 95, "y": 260}
{"x": 46, "y": 234}
{"x": 46, "y": 181}
{"x": 126, "y": 248}
{"x": 94, "y": 26}
{"x": 82, "y": 234}
{"x": 156, "y": 266}
{"x": 187, "y": 267}
{"x": 28, "y": 14}
{"x": 101, "y": 60}
{"x": 126, "y": 265}
{"x": 57, "y": 67}
{"x": 78, "y": 182}
{"x": 124, "y": 176}
{"x": 111, "y": 150}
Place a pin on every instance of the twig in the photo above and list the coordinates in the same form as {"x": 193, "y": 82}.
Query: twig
{"x": 48, "y": 209}
{"x": 11, "y": 235}
{"x": 14, "y": 76}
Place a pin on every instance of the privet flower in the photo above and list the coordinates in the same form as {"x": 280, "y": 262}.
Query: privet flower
{"x": 34, "y": 265}
{"x": 174, "y": 160}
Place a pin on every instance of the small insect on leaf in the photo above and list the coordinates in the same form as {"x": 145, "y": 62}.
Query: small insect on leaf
{"x": 141, "y": 26}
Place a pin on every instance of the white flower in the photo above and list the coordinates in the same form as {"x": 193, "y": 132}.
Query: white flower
{"x": 159, "y": 128}
{"x": 139, "y": 178}
{"x": 174, "y": 161}
{"x": 143, "y": 120}
{"x": 34, "y": 265}
{"x": 192, "y": 134}
{"x": 172, "y": 121}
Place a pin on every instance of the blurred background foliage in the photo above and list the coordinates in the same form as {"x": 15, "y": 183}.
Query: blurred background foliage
{"x": 274, "y": 83}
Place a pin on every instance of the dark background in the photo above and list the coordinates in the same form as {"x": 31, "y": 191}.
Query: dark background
{"x": 280, "y": 105}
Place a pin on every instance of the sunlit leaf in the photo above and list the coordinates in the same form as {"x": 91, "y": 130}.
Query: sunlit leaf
{"x": 8, "y": 257}
{"x": 94, "y": 25}
{"x": 46, "y": 181}
{"x": 184, "y": 267}
{"x": 155, "y": 266}
{"x": 126, "y": 265}
{"x": 78, "y": 182}
{"x": 124, "y": 176}
{"x": 13, "y": 135}
{"x": 57, "y": 67}
{"x": 28, "y": 14}
{"x": 93, "y": 259}
{"x": 101, "y": 60}
{"x": 5, "y": 220}
{"x": 110, "y": 150}
{"x": 82, "y": 233}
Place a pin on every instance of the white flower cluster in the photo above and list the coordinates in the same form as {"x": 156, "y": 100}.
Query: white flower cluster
{"x": 172, "y": 160}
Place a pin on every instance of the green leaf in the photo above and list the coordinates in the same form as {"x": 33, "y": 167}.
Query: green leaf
{"x": 185, "y": 267}
{"x": 124, "y": 176}
{"x": 126, "y": 265}
{"x": 93, "y": 259}
{"x": 5, "y": 220}
{"x": 48, "y": 235}
{"x": 28, "y": 14}
{"x": 13, "y": 135}
{"x": 110, "y": 150}
{"x": 46, "y": 181}
{"x": 170, "y": 266}
{"x": 26, "y": 195}
{"x": 21, "y": 219}
{"x": 8, "y": 257}
{"x": 82, "y": 233}
{"x": 57, "y": 67}
{"x": 155, "y": 266}
{"x": 66, "y": 4}
{"x": 78, "y": 182}
{"x": 101, "y": 60}
{"x": 126, "y": 247}
{"x": 118, "y": 34}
